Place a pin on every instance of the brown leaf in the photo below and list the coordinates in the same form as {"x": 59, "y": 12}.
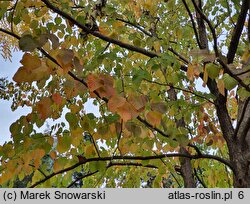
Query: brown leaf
{"x": 138, "y": 102}
{"x": 115, "y": 102}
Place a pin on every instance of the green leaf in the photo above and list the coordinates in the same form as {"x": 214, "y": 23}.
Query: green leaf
{"x": 229, "y": 81}
{"x": 58, "y": 20}
{"x": 243, "y": 93}
{"x": 213, "y": 70}
{"x": 72, "y": 120}
{"x": 63, "y": 143}
{"x": 28, "y": 43}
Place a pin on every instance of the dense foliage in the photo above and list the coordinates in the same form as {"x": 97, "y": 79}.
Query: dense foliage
{"x": 169, "y": 78}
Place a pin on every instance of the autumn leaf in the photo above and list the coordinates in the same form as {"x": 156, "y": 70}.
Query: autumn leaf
{"x": 127, "y": 111}
{"x": 56, "y": 97}
{"x": 138, "y": 102}
{"x": 65, "y": 59}
{"x": 43, "y": 108}
{"x": 154, "y": 118}
{"x": 118, "y": 104}
{"x": 115, "y": 102}
{"x": 33, "y": 69}
{"x": 221, "y": 86}
{"x": 190, "y": 72}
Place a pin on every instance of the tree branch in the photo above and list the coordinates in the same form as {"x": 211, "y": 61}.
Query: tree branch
{"x": 131, "y": 158}
{"x": 98, "y": 34}
{"x": 178, "y": 88}
{"x": 237, "y": 32}
{"x": 193, "y": 23}
{"x": 199, "y": 179}
{"x": 216, "y": 50}
{"x": 136, "y": 26}
{"x": 81, "y": 177}
{"x": 241, "y": 117}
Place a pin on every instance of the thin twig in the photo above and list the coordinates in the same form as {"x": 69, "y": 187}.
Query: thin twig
{"x": 193, "y": 23}
{"x": 199, "y": 179}
{"x": 178, "y": 88}
{"x": 81, "y": 177}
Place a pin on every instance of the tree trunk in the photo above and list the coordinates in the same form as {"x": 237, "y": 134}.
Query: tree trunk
{"x": 241, "y": 147}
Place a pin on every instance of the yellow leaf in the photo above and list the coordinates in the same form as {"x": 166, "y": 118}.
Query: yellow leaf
{"x": 154, "y": 118}
{"x": 77, "y": 135}
{"x": 157, "y": 46}
{"x": 30, "y": 62}
{"x": 190, "y": 72}
{"x": 221, "y": 86}
{"x": 90, "y": 150}
{"x": 245, "y": 56}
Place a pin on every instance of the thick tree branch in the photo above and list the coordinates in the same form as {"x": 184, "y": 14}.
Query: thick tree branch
{"x": 242, "y": 114}
{"x": 111, "y": 164}
{"x": 211, "y": 27}
{"x": 216, "y": 50}
{"x": 133, "y": 158}
{"x": 237, "y": 32}
{"x": 98, "y": 34}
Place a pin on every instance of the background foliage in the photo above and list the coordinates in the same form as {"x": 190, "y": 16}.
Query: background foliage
{"x": 166, "y": 76}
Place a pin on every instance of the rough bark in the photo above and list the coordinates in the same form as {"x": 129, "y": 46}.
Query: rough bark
{"x": 238, "y": 139}
{"x": 240, "y": 144}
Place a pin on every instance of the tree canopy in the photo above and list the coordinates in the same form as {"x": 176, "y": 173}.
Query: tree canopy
{"x": 169, "y": 78}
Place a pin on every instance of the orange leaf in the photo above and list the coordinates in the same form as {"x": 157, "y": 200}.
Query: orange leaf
{"x": 154, "y": 118}
{"x": 56, "y": 97}
{"x": 30, "y": 62}
{"x": 102, "y": 84}
{"x": 127, "y": 111}
{"x": 115, "y": 102}
{"x": 93, "y": 82}
{"x": 44, "y": 107}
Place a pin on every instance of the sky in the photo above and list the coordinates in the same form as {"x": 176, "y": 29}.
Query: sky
{"x": 7, "y": 116}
